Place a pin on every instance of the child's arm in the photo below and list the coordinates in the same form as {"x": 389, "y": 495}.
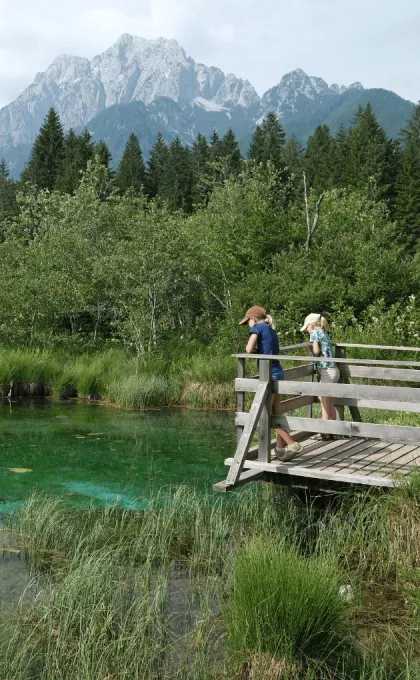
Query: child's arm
{"x": 252, "y": 344}
{"x": 316, "y": 348}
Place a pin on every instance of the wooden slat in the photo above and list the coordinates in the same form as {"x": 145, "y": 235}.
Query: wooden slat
{"x": 401, "y": 374}
{"x": 393, "y": 347}
{"x": 391, "y": 433}
{"x": 240, "y": 398}
{"x": 264, "y": 424}
{"x": 292, "y": 404}
{"x": 249, "y": 429}
{"x": 351, "y": 465}
{"x": 345, "y": 448}
{"x": 299, "y": 371}
{"x": 285, "y": 469}
{"x": 245, "y": 478}
{"x": 385, "y": 405}
{"x": 375, "y": 392}
{"x": 358, "y": 362}
{"x": 398, "y": 458}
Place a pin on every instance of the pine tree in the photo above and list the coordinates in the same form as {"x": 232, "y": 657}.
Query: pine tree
{"x": 177, "y": 182}
{"x": 47, "y": 154}
{"x": 131, "y": 173}
{"x": 318, "y": 161}
{"x": 341, "y": 155}
{"x": 103, "y": 155}
{"x": 200, "y": 156}
{"x": 8, "y": 206}
{"x": 78, "y": 151}
{"x": 214, "y": 145}
{"x": 293, "y": 156}
{"x": 156, "y": 167}
{"x": 256, "y": 149}
{"x": 229, "y": 152}
{"x": 407, "y": 210}
{"x": 370, "y": 155}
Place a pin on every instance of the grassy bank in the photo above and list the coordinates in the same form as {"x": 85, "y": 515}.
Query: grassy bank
{"x": 200, "y": 380}
{"x": 257, "y": 585}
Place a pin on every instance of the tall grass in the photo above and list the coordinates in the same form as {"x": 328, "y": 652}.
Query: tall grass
{"x": 172, "y": 590}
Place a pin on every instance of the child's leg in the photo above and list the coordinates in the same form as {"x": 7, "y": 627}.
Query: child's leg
{"x": 328, "y": 408}
{"x": 283, "y": 437}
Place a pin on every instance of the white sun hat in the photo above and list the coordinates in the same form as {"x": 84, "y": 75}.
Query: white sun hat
{"x": 310, "y": 319}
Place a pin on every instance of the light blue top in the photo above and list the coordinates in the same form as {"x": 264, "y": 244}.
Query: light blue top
{"x": 323, "y": 339}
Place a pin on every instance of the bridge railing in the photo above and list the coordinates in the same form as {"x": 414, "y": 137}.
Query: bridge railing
{"x": 303, "y": 391}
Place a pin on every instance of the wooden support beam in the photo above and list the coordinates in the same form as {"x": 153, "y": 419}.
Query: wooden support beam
{"x": 249, "y": 428}
{"x": 245, "y": 478}
{"x": 391, "y": 347}
{"x": 240, "y": 398}
{"x": 400, "y": 374}
{"x": 358, "y": 362}
{"x": 367, "y": 392}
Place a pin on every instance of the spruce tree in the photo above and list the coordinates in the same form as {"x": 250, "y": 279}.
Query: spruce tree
{"x": 230, "y": 153}
{"x": 318, "y": 161}
{"x": 8, "y": 206}
{"x": 47, "y": 154}
{"x": 78, "y": 151}
{"x": 156, "y": 167}
{"x": 200, "y": 156}
{"x": 177, "y": 182}
{"x": 103, "y": 155}
{"x": 341, "y": 152}
{"x": 131, "y": 173}
{"x": 256, "y": 149}
{"x": 407, "y": 210}
{"x": 214, "y": 145}
{"x": 293, "y": 156}
{"x": 370, "y": 156}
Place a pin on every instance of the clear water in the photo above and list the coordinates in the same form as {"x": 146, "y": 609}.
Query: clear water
{"x": 96, "y": 454}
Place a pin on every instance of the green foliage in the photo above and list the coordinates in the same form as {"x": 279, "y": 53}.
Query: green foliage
{"x": 156, "y": 167}
{"x": 78, "y": 150}
{"x": 268, "y": 143}
{"x": 8, "y": 204}
{"x": 319, "y": 159}
{"x": 408, "y": 183}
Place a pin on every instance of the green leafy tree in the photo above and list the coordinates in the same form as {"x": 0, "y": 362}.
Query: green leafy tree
{"x": 47, "y": 154}
{"x": 408, "y": 183}
{"x": 131, "y": 173}
{"x": 156, "y": 167}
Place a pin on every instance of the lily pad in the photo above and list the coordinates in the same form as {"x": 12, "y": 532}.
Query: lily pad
{"x": 20, "y": 470}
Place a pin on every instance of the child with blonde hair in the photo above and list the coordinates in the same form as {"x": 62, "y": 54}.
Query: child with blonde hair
{"x": 264, "y": 340}
{"x": 316, "y": 325}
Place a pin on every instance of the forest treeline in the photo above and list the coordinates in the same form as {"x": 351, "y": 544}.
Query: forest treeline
{"x": 168, "y": 252}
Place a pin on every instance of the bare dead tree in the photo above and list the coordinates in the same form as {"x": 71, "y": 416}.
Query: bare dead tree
{"x": 311, "y": 225}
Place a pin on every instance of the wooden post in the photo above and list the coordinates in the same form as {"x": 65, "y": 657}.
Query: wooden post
{"x": 264, "y": 439}
{"x": 310, "y": 378}
{"x": 240, "y": 399}
{"x": 341, "y": 353}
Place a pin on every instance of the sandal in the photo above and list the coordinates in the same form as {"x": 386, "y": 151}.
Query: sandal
{"x": 323, "y": 437}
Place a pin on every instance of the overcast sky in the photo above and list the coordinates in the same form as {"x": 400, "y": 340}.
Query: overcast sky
{"x": 374, "y": 41}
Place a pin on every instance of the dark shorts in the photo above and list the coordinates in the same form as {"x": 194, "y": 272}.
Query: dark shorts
{"x": 277, "y": 373}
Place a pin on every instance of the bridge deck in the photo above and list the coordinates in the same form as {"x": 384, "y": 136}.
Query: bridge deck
{"x": 348, "y": 461}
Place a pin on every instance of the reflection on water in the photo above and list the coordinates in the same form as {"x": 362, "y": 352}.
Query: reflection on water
{"x": 97, "y": 454}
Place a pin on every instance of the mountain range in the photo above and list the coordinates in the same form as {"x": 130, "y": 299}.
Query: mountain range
{"x": 151, "y": 86}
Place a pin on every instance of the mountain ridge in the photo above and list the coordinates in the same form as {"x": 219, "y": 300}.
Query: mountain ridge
{"x": 155, "y": 72}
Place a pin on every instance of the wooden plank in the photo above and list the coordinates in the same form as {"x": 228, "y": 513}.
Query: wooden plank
{"x": 299, "y": 371}
{"x": 393, "y": 347}
{"x": 285, "y": 469}
{"x": 240, "y": 398}
{"x": 380, "y": 393}
{"x": 251, "y": 384}
{"x": 292, "y": 404}
{"x": 351, "y": 464}
{"x": 344, "y": 449}
{"x": 245, "y": 478}
{"x": 386, "y": 405}
{"x": 264, "y": 425}
{"x": 341, "y": 354}
{"x": 401, "y": 374}
{"x": 397, "y": 457}
{"x": 310, "y": 378}
{"x": 391, "y": 433}
{"x": 357, "y": 362}
{"x": 249, "y": 428}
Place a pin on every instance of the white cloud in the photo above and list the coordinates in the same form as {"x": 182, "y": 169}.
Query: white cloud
{"x": 375, "y": 42}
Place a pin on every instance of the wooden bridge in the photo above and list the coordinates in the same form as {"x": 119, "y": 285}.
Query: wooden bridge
{"x": 361, "y": 452}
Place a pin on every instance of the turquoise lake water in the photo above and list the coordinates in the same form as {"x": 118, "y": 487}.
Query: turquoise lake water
{"x": 91, "y": 453}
